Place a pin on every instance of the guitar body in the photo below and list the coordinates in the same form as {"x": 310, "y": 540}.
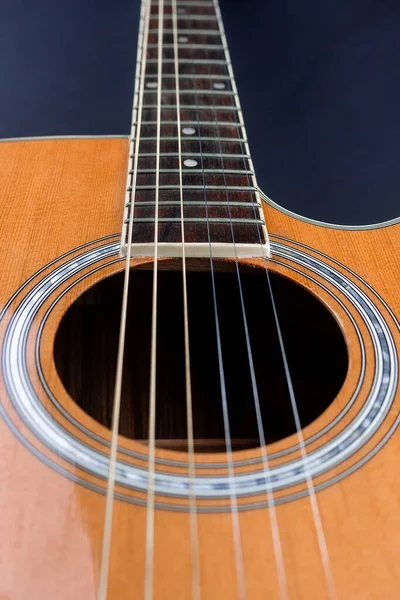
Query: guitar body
{"x": 61, "y": 200}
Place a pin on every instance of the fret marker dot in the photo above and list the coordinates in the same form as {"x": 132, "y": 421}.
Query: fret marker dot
{"x": 151, "y": 85}
{"x": 183, "y": 39}
{"x": 189, "y": 162}
{"x": 181, "y": 10}
{"x": 219, "y": 86}
{"x": 188, "y": 130}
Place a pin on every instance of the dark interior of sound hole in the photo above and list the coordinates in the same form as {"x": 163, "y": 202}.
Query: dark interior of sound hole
{"x": 86, "y": 350}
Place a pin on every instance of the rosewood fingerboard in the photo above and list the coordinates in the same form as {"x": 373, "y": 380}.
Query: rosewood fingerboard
{"x": 197, "y": 141}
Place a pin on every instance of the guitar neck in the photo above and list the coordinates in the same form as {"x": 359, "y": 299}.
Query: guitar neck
{"x": 190, "y": 179}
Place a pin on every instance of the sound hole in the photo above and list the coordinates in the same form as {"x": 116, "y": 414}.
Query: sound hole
{"x": 86, "y": 350}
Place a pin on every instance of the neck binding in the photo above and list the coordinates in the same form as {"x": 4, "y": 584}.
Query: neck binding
{"x": 220, "y": 194}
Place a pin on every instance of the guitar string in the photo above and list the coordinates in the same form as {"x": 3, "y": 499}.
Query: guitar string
{"x": 314, "y": 503}
{"x": 237, "y": 536}
{"x": 310, "y": 485}
{"x": 194, "y": 543}
{"x": 276, "y": 540}
{"x": 326, "y": 564}
{"x": 149, "y": 560}
{"x": 107, "y": 527}
{"x": 111, "y": 479}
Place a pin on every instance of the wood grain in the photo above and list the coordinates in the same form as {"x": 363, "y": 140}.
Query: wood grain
{"x": 59, "y": 194}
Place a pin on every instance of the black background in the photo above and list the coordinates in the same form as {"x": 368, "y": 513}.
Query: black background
{"x": 318, "y": 81}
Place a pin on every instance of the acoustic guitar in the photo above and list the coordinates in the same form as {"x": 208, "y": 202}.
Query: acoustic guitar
{"x": 199, "y": 391}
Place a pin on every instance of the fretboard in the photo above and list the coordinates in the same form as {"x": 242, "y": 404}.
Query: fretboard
{"x": 190, "y": 175}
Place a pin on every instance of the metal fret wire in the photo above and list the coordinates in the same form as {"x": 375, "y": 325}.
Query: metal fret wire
{"x": 310, "y": 485}
{"x": 195, "y": 187}
{"x": 107, "y": 530}
{"x": 191, "y": 107}
{"x": 205, "y": 139}
{"x": 185, "y": 92}
{"x": 229, "y": 124}
{"x": 186, "y": 17}
{"x": 228, "y": 171}
{"x": 282, "y": 581}
{"x": 194, "y": 203}
{"x": 199, "y": 61}
{"x": 148, "y": 582}
{"x": 237, "y": 536}
{"x": 194, "y": 543}
{"x": 197, "y": 220}
{"x": 190, "y": 31}
{"x": 192, "y": 47}
{"x": 175, "y": 154}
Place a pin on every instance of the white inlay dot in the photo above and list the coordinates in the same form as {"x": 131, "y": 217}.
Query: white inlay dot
{"x": 152, "y": 85}
{"x": 189, "y": 162}
{"x": 181, "y": 10}
{"x": 182, "y": 39}
{"x": 188, "y": 131}
{"x": 219, "y": 86}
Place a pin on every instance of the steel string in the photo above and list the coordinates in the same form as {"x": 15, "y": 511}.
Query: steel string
{"x": 149, "y": 564}
{"x": 310, "y": 485}
{"x": 107, "y": 529}
{"x": 194, "y": 543}
{"x": 239, "y": 563}
{"x": 282, "y": 580}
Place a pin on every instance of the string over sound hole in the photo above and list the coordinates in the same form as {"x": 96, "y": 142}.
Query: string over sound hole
{"x": 86, "y": 350}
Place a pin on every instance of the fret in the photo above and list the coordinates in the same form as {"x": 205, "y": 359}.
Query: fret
{"x": 193, "y": 25}
{"x": 187, "y": 3}
{"x": 202, "y": 131}
{"x": 187, "y": 31}
{"x": 195, "y": 107}
{"x": 209, "y": 146}
{"x": 193, "y": 154}
{"x": 209, "y": 116}
{"x": 195, "y": 10}
{"x": 224, "y": 78}
{"x": 191, "y": 61}
{"x": 210, "y": 16}
{"x": 201, "y": 203}
{"x": 189, "y": 68}
{"x": 198, "y": 196}
{"x": 190, "y": 148}
{"x": 193, "y": 92}
{"x": 203, "y": 139}
{"x": 197, "y": 212}
{"x": 195, "y": 123}
{"x": 198, "y": 101}
{"x": 207, "y": 164}
{"x": 189, "y": 83}
{"x": 213, "y": 39}
{"x": 196, "y": 220}
{"x": 200, "y": 96}
{"x": 190, "y": 46}
{"x": 201, "y": 178}
{"x": 214, "y": 56}
{"x": 197, "y": 233}
{"x": 148, "y": 148}
{"x": 196, "y": 171}
{"x": 199, "y": 187}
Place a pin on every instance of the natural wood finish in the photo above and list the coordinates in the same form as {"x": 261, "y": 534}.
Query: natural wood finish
{"x": 59, "y": 194}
